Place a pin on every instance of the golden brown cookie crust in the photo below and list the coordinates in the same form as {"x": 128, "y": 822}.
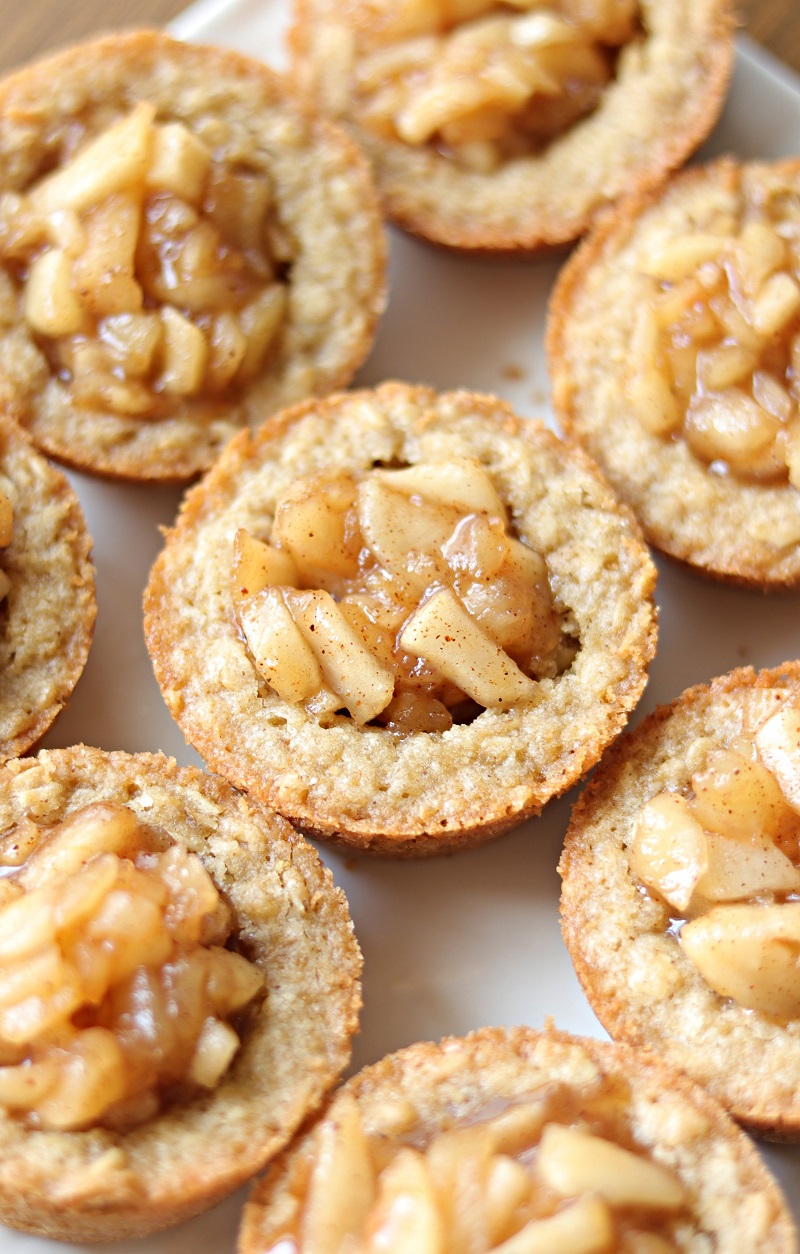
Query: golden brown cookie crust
{"x": 323, "y": 196}
{"x": 363, "y": 786}
{"x": 662, "y": 104}
{"x": 736, "y": 1204}
{"x": 101, "y": 1185}
{"x": 636, "y": 977}
{"x": 48, "y": 615}
{"x": 746, "y": 533}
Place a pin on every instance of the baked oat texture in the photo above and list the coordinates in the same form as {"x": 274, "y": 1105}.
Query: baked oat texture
{"x": 664, "y": 100}
{"x": 100, "y": 1185}
{"x": 635, "y": 974}
{"x": 737, "y": 1207}
{"x": 323, "y": 198}
{"x": 363, "y": 786}
{"x": 742, "y": 532}
{"x": 48, "y": 615}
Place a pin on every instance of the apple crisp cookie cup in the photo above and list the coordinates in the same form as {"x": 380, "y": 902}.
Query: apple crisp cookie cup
{"x": 513, "y": 1139}
{"x": 48, "y": 602}
{"x": 504, "y": 128}
{"x": 483, "y": 725}
{"x": 184, "y": 249}
{"x": 679, "y": 897}
{"x": 673, "y": 343}
{"x": 99, "y": 1153}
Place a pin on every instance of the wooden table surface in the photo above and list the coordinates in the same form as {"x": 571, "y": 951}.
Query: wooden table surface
{"x": 30, "y": 27}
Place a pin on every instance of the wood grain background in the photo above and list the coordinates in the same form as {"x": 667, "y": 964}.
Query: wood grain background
{"x": 30, "y": 27}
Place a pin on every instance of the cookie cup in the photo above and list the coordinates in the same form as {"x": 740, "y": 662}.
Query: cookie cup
{"x": 411, "y": 1095}
{"x": 100, "y": 1185}
{"x": 361, "y": 785}
{"x": 322, "y": 200}
{"x": 49, "y": 612}
{"x": 741, "y": 531}
{"x": 622, "y": 941}
{"x": 665, "y": 97}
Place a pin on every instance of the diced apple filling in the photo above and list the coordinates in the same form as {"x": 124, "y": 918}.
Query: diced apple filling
{"x": 145, "y": 268}
{"x": 718, "y": 348}
{"x": 518, "y": 1182}
{"x": 116, "y": 990}
{"x": 398, "y": 596}
{"x": 483, "y": 80}
{"x": 724, "y": 857}
{"x": 6, "y": 536}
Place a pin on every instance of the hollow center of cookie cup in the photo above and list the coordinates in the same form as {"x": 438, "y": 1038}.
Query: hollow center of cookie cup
{"x": 117, "y": 994}
{"x": 399, "y": 597}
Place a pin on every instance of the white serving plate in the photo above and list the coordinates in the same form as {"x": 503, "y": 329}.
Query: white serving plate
{"x": 455, "y": 943}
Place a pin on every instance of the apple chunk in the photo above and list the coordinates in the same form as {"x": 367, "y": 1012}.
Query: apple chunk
{"x": 313, "y": 522}
{"x": 738, "y": 871}
{"x": 279, "y": 649}
{"x": 407, "y": 1219}
{"x": 584, "y": 1227}
{"x": 507, "y": 1188}
{"x": 750, "y": 954}
{"x": 104, "y": 274}
{"x": 349, "y": 668}
{"x": 461, "y": 484}
{"x": 51, "y": 306}
{"x": 257, "y": 565}
{"x": 443, "y": 633}
{"x": 342, "y": 1185}
{"x": 406, "y": 536}
{"x": 778, "y": 743}
{"x": 180, "y": 162}
{"x": 739, "y": 797}
{"x": 94, "y": 829}
{"x": 668, "y": 850}
{"x": 574, "y": 1162}
{"x": 6, "y": 519}
{"x": 185, "y": 351}
{"x": 114, "y": 161}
